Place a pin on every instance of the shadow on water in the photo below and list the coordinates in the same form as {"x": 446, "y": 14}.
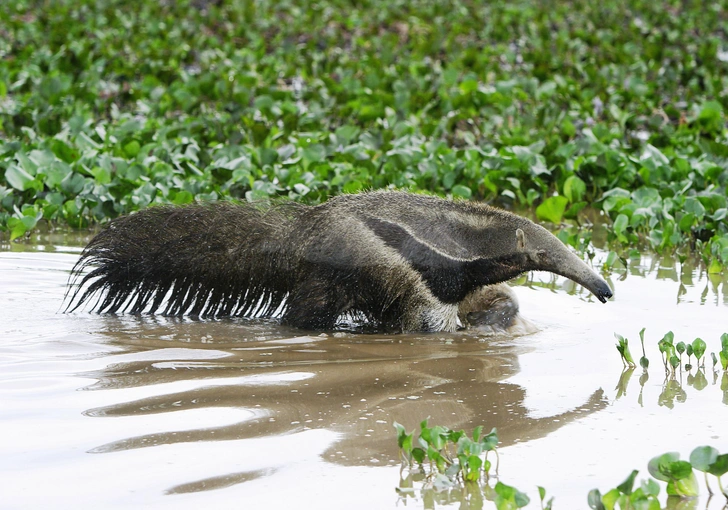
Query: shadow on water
{"x": 355, "y": 385}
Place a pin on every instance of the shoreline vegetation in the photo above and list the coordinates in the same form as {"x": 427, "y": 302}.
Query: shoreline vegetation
{"x": 107, "y": 107}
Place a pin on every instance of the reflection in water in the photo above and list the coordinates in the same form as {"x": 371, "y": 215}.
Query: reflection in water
{"x": 220, "y": 482}
{"x": 672, "y": 390}
{"x": 355, "y": 385}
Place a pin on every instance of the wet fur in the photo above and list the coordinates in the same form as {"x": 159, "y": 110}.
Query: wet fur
{"x": 403, "y": 262}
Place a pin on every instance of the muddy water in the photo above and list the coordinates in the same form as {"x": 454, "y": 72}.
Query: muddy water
{"x": 109, "y": 412}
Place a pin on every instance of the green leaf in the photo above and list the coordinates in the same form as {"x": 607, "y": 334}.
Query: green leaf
{"x": 620, "y": 224}
{"x": 18, "y": 178}
{"x": 719, "y": 466}
{"x": 694, "y": 207}
{"x": 132, "y": 148}
{"x": 626, "y": 486}
{"x": 418, "y": 454}
{"x": 710, "y": 116}
{"x": 610, "y": 499}
{"x": 655, "y": 465}
{"x": 699, "y": 347}
{"x": 687, "y": 486}
{"x": 552, "y": 209}
{"x": 461, "y": 191}
{"x": 594, "y": 500}
{"x": 19, "y": 226}
{"x": 574, "y": 189}
{"x": 702, "y": 457}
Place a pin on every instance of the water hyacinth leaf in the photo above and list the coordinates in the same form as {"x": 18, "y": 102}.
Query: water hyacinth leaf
{"x": 710, "y": 116}
{"x": 454, "y": 436}
{"x": 623, "y": 348}
{"x": 702, "y": 457}
{"x": 594, "y": 500}
{"x": 574, "y": 189}
{"x": 477, "y": 431}
{"x": 698, "y": 347}
{"x": 611, "y": 498}
{"x": 18, "y": 178}
{"x": 719, "y": 466}
{"x": 552, "y": 209}
{"x": 650, "y": 487}
{"x": 677, "y": 470}
{"x": 461, "y": 191}
{"x": 627, "y": 486}
{"x": 715, "y": 359}
{"x": 418, "y": 454}
{"x": 674, "y": 361}
{"x": 680, "y": 347}
{"x": 20, "y": 226}
{"x": 505, "y": 491}
{"x": 490, "y": 440}
{"x": 695, "y": 207}
{"x": 655, "y": 465}
{"x": 686, "y": 487}
{"x": 620, "y": 225}
{"x": 474, "y": 464}
{"x": 401, "y": 435}
{"x": 509, "y": 497}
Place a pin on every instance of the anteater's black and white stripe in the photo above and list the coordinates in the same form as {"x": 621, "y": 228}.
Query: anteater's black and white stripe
{"x": 404, "y": 262}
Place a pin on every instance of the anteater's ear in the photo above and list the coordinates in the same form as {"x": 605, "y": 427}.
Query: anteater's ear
{"x": 520, "y": 240}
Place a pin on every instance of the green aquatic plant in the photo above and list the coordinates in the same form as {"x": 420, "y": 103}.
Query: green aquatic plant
{"x": 644, "y": 362}
{"x": 723, "y": 354}
{"x": 509, "y": 498}
{"x": 698, "y": 348}
{"x": 450, "y": 452}
{"x": 678, "y": 474}
{"x": 545, "y": 505}
{"x": 454, "y": 458}
{"x": 680, "y": 348}
{"x": 626, "y": 497}
{"x": 308, "y": 100}
{"x": 452, "y": 455}
{"x": 667, "y": 349}
{"x": 623, "y": 348}
{"x": 709, "y": 460}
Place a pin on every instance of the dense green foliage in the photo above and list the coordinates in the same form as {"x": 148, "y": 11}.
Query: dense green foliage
{"x": 107, "y": 106}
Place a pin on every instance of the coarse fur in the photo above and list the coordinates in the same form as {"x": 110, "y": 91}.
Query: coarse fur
{"x": 403, "y": 262}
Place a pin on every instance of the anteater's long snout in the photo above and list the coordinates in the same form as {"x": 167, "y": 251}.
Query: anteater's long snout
{"x": 577, "y": 270}
{"x": 601, "y": 290}
{"x": 573, "y": 268}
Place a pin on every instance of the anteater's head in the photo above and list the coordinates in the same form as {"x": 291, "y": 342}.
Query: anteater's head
{"x": 547, "y": 253}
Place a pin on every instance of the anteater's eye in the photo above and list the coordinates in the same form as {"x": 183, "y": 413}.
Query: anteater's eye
{"x": 541, "y": 254}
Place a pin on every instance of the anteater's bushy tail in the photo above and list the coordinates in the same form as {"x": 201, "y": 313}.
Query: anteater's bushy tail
{"x": 200, "y": 260}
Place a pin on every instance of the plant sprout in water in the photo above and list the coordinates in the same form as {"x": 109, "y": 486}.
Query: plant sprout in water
{"x": 644, "y": 362}
{"x": 623, "y": 348}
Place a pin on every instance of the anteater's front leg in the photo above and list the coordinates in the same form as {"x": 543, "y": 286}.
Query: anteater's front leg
{"x": 315, "y": 304}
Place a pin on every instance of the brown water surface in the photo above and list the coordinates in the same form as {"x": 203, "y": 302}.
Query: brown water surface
{"x": 118, "y": 411}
